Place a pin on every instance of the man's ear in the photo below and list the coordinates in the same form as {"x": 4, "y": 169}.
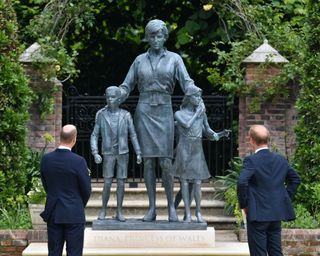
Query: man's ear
{"x": 74, "y": 141}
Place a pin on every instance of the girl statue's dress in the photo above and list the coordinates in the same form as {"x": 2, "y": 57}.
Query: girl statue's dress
{"x": 190, "y": 165}
{"x": 190, "y": 162}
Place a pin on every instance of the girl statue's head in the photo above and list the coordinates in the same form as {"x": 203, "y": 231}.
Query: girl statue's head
{"x": 192, "y": 95}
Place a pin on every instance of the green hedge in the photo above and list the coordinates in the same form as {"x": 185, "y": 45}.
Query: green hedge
{"x": 15, "y": 98}
{"x": 307, "y": 157}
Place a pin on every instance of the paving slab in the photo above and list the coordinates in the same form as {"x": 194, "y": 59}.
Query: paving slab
{"x": 220, "y": 249}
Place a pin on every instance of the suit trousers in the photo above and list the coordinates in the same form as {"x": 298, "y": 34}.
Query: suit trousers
{"x": 264, "y": 238}
{"x": 72, "y": 234}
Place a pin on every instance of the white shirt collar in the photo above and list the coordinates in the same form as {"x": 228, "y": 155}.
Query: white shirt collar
{"x": 64, "y": 147}
{"x": 257, "y": 150}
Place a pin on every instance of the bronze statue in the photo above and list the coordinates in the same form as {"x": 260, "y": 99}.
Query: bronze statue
{"x": 190, "y": 165}
{"x": 155, "y": 74}
{"x": 114, "y": 125}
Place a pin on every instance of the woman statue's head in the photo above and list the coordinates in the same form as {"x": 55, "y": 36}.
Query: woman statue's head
{"x": 154, "y": 26}
{"x": 156, "y": 33}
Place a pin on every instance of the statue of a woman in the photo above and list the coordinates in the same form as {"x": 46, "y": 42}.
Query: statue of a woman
{"x": 155, "y": 73}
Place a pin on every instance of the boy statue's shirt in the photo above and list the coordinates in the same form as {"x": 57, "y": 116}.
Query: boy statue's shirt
{"x": 114, "y": 128}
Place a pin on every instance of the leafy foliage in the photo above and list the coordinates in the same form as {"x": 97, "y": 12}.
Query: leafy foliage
{"x": 106, "y": 50}
{"x": 15, "y": 218}
{"x": 228, "y": 189}
{"x": 213, "y": 37}
{"x": 49, "y": 22}
{"x": 14, "y": 106}
{"x": 297, "y": 24}
{"x": 37, "y": 195}
{"x": 101, "y": 38}
{"x": 303, "y": 220}
{"x": 36, "y": 192}
{"x": 307, "y": 157}
{"x": 276, "y": 21}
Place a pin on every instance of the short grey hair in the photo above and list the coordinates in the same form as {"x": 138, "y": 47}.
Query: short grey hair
{"x": 113, "y": 88}
{"x": 154, "y": 26}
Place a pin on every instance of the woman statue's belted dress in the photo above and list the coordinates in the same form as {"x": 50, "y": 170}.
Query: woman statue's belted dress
{"x": 190, "y": 163}
{"x": 154, "y": 115}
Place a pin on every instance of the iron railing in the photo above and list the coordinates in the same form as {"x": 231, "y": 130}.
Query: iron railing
{"x": 81, "y": 110}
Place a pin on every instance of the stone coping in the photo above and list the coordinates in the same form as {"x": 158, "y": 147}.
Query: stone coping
{"x": 221, "y": 249}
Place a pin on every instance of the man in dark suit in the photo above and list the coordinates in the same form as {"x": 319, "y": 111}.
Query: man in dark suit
{"x": 66, "y": 180}
{"x": 266, "y": 187}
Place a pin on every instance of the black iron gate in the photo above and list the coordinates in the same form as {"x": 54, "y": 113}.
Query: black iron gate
{"x": 80, "y": 111}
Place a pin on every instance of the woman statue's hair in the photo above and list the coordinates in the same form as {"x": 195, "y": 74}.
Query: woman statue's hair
{"x": 154, "y": 26}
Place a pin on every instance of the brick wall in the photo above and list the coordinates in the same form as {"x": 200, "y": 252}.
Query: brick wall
{"x": 278, "y": 114}
{"x": 296, "y": 242}
{"x": 13, "y": 242}
{"x": 52, "y": 123}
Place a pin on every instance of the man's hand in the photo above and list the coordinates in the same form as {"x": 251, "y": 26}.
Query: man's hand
{"x": 245, "y": 210}
{"x": 139, "y": 159}
{"x": 97, "y": 158}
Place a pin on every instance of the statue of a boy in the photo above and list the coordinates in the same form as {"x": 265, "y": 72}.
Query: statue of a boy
{"x": 115, "y": 125}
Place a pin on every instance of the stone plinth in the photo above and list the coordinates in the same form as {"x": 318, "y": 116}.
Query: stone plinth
{"x": 150, "y": 243}
{"x": 149, "y": 238}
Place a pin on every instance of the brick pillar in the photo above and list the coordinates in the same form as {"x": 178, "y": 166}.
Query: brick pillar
{"x": 37, "y": 127}
{"x": 278, "y": 114}
{"x": 52, "y": 123}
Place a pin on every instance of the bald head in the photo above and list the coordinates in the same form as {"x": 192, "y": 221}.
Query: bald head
{"x": 68, "y": 134}
{"x": 259, "y": 134}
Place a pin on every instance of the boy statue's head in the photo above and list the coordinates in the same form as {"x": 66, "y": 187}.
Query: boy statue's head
{"x": 113, "y": 95}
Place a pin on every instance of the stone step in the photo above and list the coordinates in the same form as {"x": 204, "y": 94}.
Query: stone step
{"x": 140, "y": 207}
{"x": 141, "y": 193}
{"x": 135, "y": 205}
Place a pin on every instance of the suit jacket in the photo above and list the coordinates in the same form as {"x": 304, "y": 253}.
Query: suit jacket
{"x": 125, "y": 128}
{"x": 66, "y": 180}
{"x": 266, "y": 186}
